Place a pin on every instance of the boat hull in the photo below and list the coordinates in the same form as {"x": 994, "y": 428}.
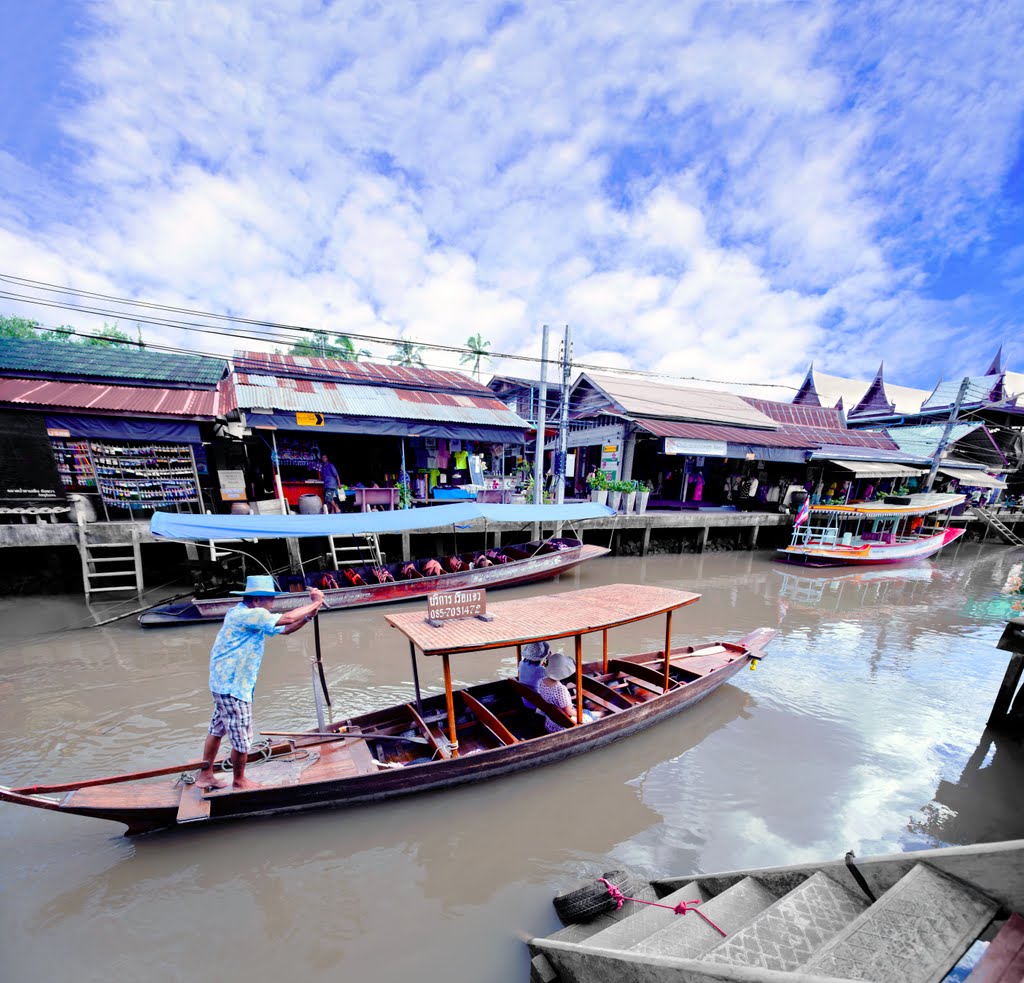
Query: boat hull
{"x": 378, "y": 785}
{"x": 868, "y": 554}
{"x": 514, "y": 573}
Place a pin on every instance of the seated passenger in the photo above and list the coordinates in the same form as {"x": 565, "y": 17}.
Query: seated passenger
{"x": 531, "y": 669}
{"x": 557, "y": 668}
{"x": 432, "y": 568}
{"x": 410, "y": 572}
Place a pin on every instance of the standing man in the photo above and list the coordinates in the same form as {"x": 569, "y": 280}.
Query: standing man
{"x": 234, "y": 665}
{"x": 332, "y": 483}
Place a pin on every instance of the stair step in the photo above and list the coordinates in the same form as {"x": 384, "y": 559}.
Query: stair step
{"x": 914, "y": 933}
{"x": 584, "y": 930}
{"x": 627, "y": 932}
{"x": 788, "y": 933}
{"x": 689, "y": 936}
{"x": 94, "y": 574}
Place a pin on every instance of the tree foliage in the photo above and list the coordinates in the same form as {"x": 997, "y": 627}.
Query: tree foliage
{"x": 408, "y": 355}
{"x": 476, "y": 354}
{"x": 321, "y": 345}
{"x": 22, "y": 328}
{"x": 26, "y": 329}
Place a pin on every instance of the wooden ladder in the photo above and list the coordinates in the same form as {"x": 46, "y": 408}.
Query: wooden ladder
{"x": 107, "y": 567}
{"x": 356, "y": 554}
{"x": 1003, "y": 530}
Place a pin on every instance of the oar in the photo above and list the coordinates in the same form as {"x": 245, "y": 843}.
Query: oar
{"x": 319, "y": 659}
{"x": 352, "y": 735}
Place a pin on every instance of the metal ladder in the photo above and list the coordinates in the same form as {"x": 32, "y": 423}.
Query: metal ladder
{"x": 355, "y": 554}
{"x": 1003, "y": 530}
{"x": 104, "y": 571}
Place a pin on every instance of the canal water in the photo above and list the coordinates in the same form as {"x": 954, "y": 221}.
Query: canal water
{"x": 863, "y": 729}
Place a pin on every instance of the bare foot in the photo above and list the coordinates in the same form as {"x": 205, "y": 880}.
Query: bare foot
{"x": 207, "y": 779}
{"x": 244, "y": 785}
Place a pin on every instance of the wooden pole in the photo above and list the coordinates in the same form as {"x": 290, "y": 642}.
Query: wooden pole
{"x": 519, "y": 654}
{"x": 416, "y": 677}
{"x": 604, "y": 659}
{"x": 453, "y": 735}
{"x": 668, "y": 648}
{"x": 579, "y": 679}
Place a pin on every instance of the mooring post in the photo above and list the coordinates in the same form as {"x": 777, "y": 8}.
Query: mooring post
{"x": 647, "y": 541}
{"x": 702, "y": 538}
{"x": 406, "y": 548}
{"x": 754, "y": 530}
{"x": 1006, "y": 710}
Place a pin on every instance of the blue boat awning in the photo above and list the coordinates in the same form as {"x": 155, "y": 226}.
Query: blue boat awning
{"x": 172, "y": 525}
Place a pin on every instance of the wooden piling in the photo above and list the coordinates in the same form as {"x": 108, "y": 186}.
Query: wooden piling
{"x": 1007, "y": 712}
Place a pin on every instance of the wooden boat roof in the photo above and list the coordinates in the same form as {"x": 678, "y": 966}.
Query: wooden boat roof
{"x": 919, "y": 505}
{"x": 544, "y": 618}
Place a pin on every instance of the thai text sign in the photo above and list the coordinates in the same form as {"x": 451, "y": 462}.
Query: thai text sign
{"x": 453, "y": 604}
{"x": 309, "y": 419}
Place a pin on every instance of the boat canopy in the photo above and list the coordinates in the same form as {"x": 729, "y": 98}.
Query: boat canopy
{"x": 916, "y": 505}
{"x": 542, "y": 618}
{"x": 173, "y": 525}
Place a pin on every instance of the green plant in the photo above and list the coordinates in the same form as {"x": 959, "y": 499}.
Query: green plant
{"x": 477, "y": 353}
{"x": 597, "y": 481}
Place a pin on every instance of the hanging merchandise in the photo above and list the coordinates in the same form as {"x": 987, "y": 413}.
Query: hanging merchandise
{"x": 144, "y": 476}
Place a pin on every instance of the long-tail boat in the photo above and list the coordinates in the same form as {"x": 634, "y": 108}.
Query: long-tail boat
{"x": 383, "y": 583}
{"x": 450, "y": 738}
{"x": 894, "y": 530}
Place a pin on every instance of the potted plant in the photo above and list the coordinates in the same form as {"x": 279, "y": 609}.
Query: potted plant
{"x": 629, "y": 495}
{"x": 598, "y": 486}
{"x": 643, "y": 493}
{"x": 614, "y": 494}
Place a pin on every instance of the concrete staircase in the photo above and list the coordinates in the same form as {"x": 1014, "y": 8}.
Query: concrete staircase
{"x": 806, "y": 928}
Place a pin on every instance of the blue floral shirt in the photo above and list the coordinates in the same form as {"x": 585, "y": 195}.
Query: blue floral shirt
{"x": 238, "y": 650}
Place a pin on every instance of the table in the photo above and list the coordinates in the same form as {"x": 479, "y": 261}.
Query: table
{"x": 365, "y": 497}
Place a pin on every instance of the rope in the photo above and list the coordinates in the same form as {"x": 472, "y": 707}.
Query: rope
{"x": 680, "y": 909}
{"x": 186, "y": 778}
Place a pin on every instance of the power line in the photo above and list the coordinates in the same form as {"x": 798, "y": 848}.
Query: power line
{"x": 273, "y": 326}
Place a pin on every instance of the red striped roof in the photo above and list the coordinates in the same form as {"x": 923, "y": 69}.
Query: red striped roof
{"x": 110, "y": 399}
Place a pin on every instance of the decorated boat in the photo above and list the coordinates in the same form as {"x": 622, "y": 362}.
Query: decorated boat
{"x": 450, "y": 738}
{"x": 371, "y": 582}
{"x": 893, "y": 530}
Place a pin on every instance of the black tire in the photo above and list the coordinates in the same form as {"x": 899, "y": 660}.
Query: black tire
{"x": 896, "y": 500}
{"x": 586, "y": 903}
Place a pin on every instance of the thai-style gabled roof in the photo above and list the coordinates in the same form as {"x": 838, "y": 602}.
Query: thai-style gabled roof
{"x": 821, "y": 389}
{"x": 996, "y": 368}
{"x": 874, "y": 402}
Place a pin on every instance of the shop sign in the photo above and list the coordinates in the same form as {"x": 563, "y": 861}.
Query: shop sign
{"x": 54, "y": 432}
{"x": 309, "y": 419}
{"x": 232, "y": 486}
{"x": 701, "y": 448}
{"x": 610, "y": 461}
{"x": 455, "y": 604}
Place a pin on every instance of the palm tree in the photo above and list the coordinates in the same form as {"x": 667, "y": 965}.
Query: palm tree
{"x": 407, "y": 355}
{"x": 477, "y": 353}
{"x": 319, "y": 345}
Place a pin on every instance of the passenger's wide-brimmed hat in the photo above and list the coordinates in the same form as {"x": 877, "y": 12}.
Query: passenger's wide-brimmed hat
{"x": 535, "y": 651}
{"x": 560, "y": 665}
{"x": 258, "y": 586}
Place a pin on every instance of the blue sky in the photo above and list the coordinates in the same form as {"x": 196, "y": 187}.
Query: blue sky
{"x": 703, "y": 189}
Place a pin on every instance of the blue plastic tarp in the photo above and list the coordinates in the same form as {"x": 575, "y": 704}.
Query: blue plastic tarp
{"x": 125, "y": 428}
{"x": 173, "y": 525}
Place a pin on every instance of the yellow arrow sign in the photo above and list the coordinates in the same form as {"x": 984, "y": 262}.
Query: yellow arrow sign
{"x": 309, "y": 419}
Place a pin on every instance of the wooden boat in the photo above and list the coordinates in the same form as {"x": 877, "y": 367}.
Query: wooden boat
{"x": 509, "y": 566}
{"x": 893, "y": 530}
{"x": 384, "y": 583}
{"x": 910, "y": 917}
{"x": 453, "y": 737}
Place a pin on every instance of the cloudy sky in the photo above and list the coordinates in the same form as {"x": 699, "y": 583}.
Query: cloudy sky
{"x": 703, "y": 189}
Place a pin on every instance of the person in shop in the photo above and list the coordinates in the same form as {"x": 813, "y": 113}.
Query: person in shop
{"x": 333, "y": 493}
{"x": 234, "y": 665}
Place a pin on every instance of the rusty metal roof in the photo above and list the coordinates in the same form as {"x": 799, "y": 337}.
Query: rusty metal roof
{"x": 247, "y": 392}
{"x": 110, "y": 399}
{"x": 808, "y": 438}
{"x": 542, "y": 618}
{"x": 357, "y": 373}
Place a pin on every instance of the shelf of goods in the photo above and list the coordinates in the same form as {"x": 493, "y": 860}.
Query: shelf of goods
{"x": 73, "y": 464}
{"x": 145, "y": 476}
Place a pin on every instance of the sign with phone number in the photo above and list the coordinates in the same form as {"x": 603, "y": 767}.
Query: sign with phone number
{"x": 456, "y": 604}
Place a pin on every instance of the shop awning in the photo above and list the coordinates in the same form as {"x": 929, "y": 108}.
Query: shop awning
{"x": 972, "y": 479}
{"x": 316, "y": 423}
{"x": 124, "y": 428}
{"x": 871, "y": 469}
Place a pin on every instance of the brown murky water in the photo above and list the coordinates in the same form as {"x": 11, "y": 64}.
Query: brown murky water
{"x": 863, "y": 729}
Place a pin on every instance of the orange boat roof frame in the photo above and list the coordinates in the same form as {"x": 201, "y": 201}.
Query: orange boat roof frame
{"x": 543, "y": 618}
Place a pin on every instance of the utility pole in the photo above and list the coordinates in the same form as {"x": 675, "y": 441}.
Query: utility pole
{"x": 947, "y": 431}
{"x": 538, "y": 457}
{"x": 563, "y": 422}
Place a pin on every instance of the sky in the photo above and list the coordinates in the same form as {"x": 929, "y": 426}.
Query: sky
{"x": 713, "y": 190}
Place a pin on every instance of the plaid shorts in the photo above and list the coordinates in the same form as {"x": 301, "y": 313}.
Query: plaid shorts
{"x": 233, "y": 717}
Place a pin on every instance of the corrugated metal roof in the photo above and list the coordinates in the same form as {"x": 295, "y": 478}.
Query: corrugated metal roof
{"x": 366, "y": 373}
{"x": 247, "y": 392}
{"x": 924, "y": 440}
{"x": 980, "y": 389}
{"x": 806, "y": 438}
{"x": 644, "y": 397}
{"x": 800, "y": 414}
{"x": 110, "y": 399}
{"x": 50, "y": 358}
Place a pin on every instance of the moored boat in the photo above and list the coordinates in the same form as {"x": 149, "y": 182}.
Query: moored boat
{"x": 447, "y": 739}
{"x": 894, "y": 530}
{"x": 383, "y": 583}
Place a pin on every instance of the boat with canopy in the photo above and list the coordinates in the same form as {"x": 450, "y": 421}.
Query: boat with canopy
{"x": 894, "y": 530}
{"x": 445, "y": 739}
{"x": 370, "y": 582}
